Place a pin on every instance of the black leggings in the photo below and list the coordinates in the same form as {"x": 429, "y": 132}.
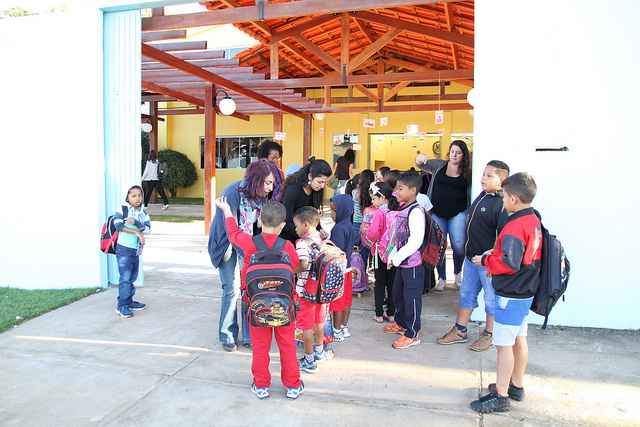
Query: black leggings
{"x": 384, "y": 281}
{"x": 148, "y": 187}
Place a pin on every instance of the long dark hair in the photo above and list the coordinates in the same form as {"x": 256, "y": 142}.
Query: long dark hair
{"x": 366, "y": 178}
{"x": 300, "y": 179}
{"x": 464, "y": 168}
{"x": 152, "y": 156}
{"x": 350, "y": 156}
{"x": 387, "y": 192}
{"x": 391, "y": 178}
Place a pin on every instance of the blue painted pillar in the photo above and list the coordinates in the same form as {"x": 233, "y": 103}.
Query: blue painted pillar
{"x": 122, "y": 153}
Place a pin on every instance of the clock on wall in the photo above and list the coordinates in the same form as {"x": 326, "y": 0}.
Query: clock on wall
{"x": 436, "y": 148}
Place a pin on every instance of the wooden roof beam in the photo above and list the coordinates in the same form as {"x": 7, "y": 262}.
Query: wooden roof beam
{"x": 171, "y": 47}
{"x": 374, "y": 48}
{"x": 416, "y": 28}
{"x": 299, "y": 29}
{"x": 152, "y": 36}
{"x": 205, "y": 54}
{"x": 270, "y": 11}
{"x": 335, "y": 80}
{"x": 147, "y": 66}
{"x": 313, "y": 48}
{"x": 454, "y": 54}
{"x": 151, "y": 52}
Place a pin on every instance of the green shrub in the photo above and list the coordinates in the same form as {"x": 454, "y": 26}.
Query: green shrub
{"x": 181, "y": 171}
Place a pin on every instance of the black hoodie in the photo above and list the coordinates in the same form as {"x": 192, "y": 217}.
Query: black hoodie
{"x": 485, "y": 219}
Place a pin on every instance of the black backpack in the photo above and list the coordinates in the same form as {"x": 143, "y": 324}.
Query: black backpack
{"x": 554, "y": 275}
{"x": 270, "y": 285}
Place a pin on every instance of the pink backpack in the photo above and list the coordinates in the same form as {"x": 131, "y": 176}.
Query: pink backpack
{"x": 396, "y": 232}
{"x": 367, "y": 217}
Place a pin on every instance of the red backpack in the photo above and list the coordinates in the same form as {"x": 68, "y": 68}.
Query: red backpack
{"x": 109, "y": 234}
{"x": 270, "y": 285}
{"x": 435, "y": 242}
{"x": 325, "y": 283}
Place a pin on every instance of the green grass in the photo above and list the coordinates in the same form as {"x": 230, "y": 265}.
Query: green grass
{"x": 175, "y": 218}
{"x": 187, "y": 201}
{"x": 18, "y": 305}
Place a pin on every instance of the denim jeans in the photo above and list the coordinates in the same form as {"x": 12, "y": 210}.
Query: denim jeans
{"x": 456, "y": 229}
{"x": 228, "y": 328}
{"x": 476, "y": 279}
{"x": 128, "y": 263}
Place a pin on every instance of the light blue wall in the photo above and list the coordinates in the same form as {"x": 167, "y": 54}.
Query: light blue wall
{"x": 122, "y": 38}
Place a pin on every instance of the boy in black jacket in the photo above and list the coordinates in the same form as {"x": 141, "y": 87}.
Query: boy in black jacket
{"x": 514, "y": 265}
{"x": 485, "y": 217}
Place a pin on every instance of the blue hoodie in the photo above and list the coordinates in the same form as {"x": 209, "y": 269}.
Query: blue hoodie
{"x": 342, "y": 232}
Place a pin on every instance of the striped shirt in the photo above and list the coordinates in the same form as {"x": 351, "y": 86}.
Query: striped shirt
{"x": 142, "y": 223}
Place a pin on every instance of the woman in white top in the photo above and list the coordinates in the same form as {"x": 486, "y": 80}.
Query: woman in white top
{"x": 151, "y": 180}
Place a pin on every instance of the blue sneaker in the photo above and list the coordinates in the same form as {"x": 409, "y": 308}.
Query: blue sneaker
{"x": 137, "y": 306}
{"x": 324, "y": 355}
{"x": 124, "y": 312}
{"x": 260, "y": 392}
{"x": 294, "y": 393}
{"x": 308, "y": 367}
{"x": 338, "y": 335}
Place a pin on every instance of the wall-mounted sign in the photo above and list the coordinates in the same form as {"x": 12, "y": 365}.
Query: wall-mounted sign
{"x": 439, "y": 117}
{"x": 279, "y": 136}
{"x": 413, "y": 130}
{"x": 368, "y": 123}
{"x": 384, "y": 121}
{"x": 357, "y": 147}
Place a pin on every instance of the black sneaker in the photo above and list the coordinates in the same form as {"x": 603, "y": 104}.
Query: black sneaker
{"x": 491, "y": 403}
{"x": 137, "y": 306}
{"x": 515, "y": 393}
{"x": 124, "y": 312}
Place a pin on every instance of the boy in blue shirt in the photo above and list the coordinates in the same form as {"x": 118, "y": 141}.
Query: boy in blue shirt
{"x": 131, "y": 232}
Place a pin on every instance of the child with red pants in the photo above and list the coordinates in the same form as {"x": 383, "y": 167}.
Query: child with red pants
{"x": 272, "y": 216}
{"x": 311, "y": 316}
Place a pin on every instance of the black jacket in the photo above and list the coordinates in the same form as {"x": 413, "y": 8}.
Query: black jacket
{"x": 485, "y": 219}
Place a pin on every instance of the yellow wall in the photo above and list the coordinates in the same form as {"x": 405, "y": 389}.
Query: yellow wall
{"x": 183, "y": 134}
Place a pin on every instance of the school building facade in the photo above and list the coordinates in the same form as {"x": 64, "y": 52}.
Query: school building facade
{"x": 554, "y": 97}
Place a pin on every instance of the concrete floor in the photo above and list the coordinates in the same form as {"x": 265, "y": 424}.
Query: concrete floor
{"x": 82, "y": 366}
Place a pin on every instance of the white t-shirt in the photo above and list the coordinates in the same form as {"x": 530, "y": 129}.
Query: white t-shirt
{"x": 424, "y": 201}
{"x": 150, "y": 171}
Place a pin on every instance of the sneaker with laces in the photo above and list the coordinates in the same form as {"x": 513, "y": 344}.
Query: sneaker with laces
{"x": 165, "y": 207}
{"x": 393, "y": 328}
{"x": 345, "y": 332}
{"x": 137, "y": 306}
{"x": 260, "y": 392}
{"x": 323, "y": 356}
{"x": 440, "y": 285}
{"x": 308, "y": 367}
{"x": 338, "y": 335}
{"x": 515, "y": 393}
{"x": 124, "y": 312}
{"x": 491, "y": 402}
{"x": 294, "y": 393}
{"x": 405, "y": 342}
{"x": 454, "y": 336}
{"x": 483, "y": 343}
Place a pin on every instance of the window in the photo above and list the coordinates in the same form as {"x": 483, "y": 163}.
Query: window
{"x": 234, "y": 151}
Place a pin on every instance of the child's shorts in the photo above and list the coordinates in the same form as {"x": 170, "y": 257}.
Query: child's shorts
{"x": 475, "y": 279}
{"x": 511, "y": 320}
{"x": 310, "y": 314}
{"x": 346, "y": 299}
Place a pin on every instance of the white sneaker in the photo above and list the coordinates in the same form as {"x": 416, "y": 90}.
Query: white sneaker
{"x": 345, "y": 332}
{"x": 165, "y": 207}
{"x": 440, "y": 285}
{"x": 456, "y": 282}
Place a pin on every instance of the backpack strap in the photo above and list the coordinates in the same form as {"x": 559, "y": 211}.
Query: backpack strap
{"x": 125, "y": 211}
{"x": 279, "y": 244}
{"x": 261, "y": 245}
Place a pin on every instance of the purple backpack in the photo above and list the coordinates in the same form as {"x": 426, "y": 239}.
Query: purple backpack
{"x": 360, "y": 280}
